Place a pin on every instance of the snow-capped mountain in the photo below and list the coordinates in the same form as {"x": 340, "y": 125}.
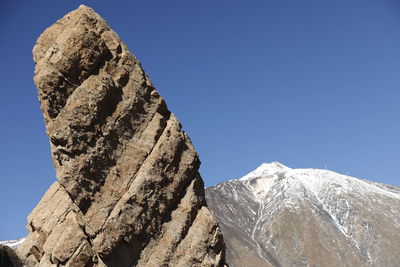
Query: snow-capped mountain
{"x": 278, "y": 216}
{"x": 12, "y": 243}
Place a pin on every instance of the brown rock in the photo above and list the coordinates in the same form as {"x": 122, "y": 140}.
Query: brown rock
{"x": 128, "y": 190}
{"x": 8, "y": 257}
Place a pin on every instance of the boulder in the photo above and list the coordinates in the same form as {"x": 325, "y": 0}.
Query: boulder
{"x": 128, "y": 189}
{"x": 8, "y": 257}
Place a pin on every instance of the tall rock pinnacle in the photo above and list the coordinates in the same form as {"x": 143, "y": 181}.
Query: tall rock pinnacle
{"x": 128, "y": 192}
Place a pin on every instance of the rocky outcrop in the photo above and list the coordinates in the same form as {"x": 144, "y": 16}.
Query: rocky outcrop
{"x": 128, "y": 192}
{"x": 278, "y": 216}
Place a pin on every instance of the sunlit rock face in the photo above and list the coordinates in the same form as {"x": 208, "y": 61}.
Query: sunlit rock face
{"x": 278, "y": 216}
{"x": 128, "y": 190}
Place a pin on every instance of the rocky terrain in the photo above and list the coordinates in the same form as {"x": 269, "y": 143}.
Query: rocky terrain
{"x": 128, "y": 190}
{"x": 278, "y": 216}
{"x": 129, "y": 193}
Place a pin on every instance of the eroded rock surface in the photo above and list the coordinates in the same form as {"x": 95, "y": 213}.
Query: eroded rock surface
{"x": 128, "y": 190}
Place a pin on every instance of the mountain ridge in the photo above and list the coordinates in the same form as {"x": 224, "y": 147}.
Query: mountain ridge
{"x": 294, "y": 216}
{"x": 13, "y": 243}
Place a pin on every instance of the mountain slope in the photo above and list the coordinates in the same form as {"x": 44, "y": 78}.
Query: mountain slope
{"x": 278, "y": 216}
{"x": 12, "y": 243}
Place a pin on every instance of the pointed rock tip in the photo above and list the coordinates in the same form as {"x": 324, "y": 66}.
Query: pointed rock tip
{"x": 83, "y": 6}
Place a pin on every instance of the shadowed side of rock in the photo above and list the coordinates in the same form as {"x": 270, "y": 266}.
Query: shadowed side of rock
{"x": 128, "y": 190}
{"x": 8, "y": 257}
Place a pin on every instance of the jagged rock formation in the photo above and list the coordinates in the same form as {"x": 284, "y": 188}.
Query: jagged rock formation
{"x": 128, "y": 190}
{"x": 278, "y": 216}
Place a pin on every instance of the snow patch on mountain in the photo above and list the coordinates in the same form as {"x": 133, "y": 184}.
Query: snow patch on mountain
{"x": 12, "y": 243}
{"x": 266, "y": 169}
{"x": 355, "y": 209}
{"x": 261, "y": 181}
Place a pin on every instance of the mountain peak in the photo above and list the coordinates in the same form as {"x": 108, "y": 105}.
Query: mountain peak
{"x": 266, "y": 169}
{"x": 278, "y": 216}
{"x": 12, "y": 243}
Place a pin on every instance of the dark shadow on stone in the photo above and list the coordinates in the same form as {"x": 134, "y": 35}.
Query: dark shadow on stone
{"x": 8, "y": 257}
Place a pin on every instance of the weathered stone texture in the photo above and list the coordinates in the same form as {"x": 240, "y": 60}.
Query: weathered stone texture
{"x": 128, "y": 190}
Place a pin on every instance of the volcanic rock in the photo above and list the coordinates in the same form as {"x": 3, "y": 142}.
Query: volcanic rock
{"x": 128, "y": 192}
{"x": 278, "y": 216}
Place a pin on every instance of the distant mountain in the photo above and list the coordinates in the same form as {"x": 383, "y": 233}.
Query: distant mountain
{"x": 278, "y": 216}
{"x": 12, "y": 243}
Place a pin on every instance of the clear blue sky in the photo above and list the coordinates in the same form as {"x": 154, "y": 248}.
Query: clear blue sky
{"x": 306, "y": 83}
